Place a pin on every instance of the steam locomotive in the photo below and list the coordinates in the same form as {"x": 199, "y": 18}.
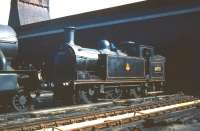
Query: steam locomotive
{"x": 78, "y": 75}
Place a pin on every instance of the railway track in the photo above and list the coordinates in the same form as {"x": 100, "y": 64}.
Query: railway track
{"x": 97, "y": 116}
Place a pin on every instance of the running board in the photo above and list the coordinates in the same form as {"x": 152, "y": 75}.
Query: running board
{"x": 154, "y": 93}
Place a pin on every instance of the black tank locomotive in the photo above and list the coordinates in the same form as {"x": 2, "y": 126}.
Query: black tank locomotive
{"x": 107, "y": 72}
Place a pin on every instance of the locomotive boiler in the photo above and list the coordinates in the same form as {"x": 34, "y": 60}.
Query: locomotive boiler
{"x": 73, "y": 62}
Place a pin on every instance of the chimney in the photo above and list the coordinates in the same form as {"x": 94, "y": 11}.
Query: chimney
{"x": 69, "y": 35}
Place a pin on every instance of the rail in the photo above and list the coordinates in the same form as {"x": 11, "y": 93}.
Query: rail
{"x": 89, "y": 118}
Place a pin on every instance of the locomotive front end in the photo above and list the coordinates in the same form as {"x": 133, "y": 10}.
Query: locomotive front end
{"x": 8, "y": 51}
{"x": 73, "y": 62}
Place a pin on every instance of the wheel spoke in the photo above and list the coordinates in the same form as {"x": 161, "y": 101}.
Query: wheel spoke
{"x": 20, "y": 101}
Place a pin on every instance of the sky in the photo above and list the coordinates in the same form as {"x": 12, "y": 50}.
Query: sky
{"x": 67, "y": 7}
